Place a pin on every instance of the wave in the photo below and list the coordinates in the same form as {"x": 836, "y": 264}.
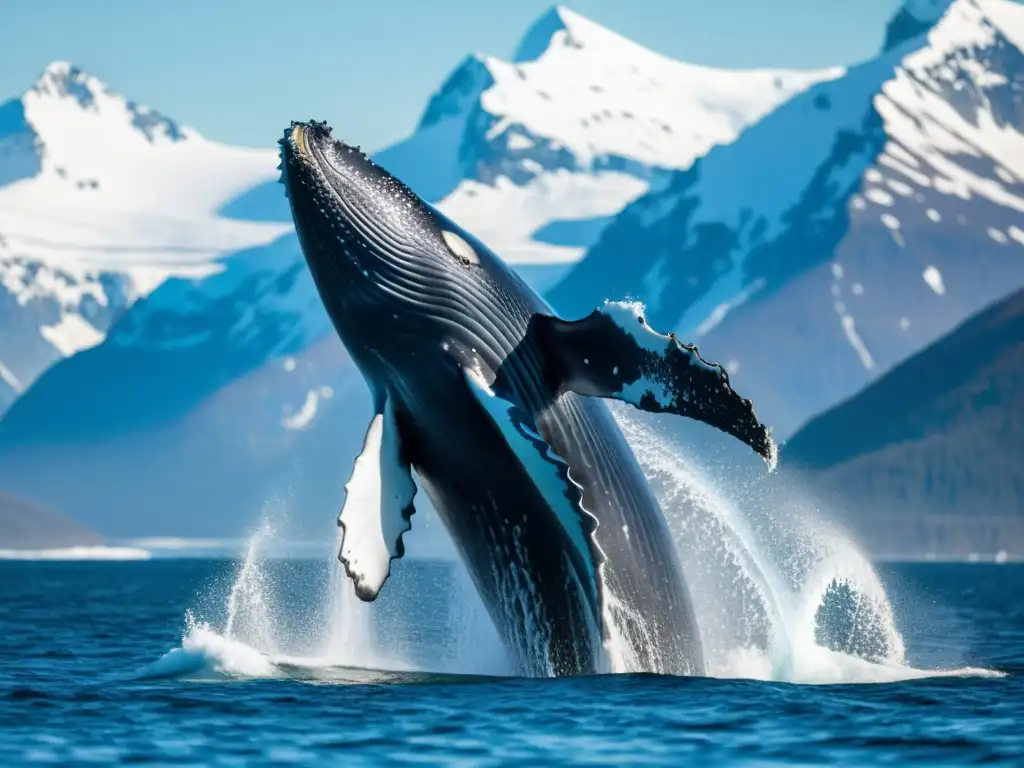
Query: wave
{"x": 205, "y": 654}
{"x": 97, "y": 552}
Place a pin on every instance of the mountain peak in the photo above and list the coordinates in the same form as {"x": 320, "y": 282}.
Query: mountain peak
{"x": 64, "y": 85}
{"x": 914, "y": 17}
{"x": 62, "y": 79}
{"x": 564, "y": 26}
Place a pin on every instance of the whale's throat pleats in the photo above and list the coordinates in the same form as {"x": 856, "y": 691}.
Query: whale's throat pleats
{"x": 378, "y": 506}
{"x": 552, "y": 477}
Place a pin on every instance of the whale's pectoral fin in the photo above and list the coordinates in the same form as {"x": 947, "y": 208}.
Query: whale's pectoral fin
{"x": 614, "y": 353}
{"x": 378, "y": 505}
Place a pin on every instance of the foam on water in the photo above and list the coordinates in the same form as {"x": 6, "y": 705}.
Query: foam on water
{"x": 205, "y": 653}
{"x": 778, "y": 594}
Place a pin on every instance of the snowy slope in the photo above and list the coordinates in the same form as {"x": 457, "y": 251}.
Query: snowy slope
{"x": 847, "y": 229}
{"x": 101, "y": 199}
{"x": 237, "y": 381}
{"x": 576, "y": 125}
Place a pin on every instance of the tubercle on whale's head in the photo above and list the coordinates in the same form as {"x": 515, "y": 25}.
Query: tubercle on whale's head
{"x": 349, "y": 211}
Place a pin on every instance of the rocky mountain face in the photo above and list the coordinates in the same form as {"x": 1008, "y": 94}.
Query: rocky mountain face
{"x": 846, "y": 230}
{"x": 930, "y": 457}
{"x": 101, "y": 199}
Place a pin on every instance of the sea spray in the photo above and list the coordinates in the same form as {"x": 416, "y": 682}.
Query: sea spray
{"x": 250, "y": 614}
{"x": 351, "y": 632}
{"x": 778, "y": 595}
{"x": 786, "y": 599}
{"x": 472, "y": 645}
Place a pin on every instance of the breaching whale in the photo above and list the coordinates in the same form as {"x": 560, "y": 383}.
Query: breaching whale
{"x": 494, "y": 401}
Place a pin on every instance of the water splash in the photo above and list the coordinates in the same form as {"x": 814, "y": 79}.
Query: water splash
{"x": 250, "y": 614}
{"x": 778, "y": 594}
{"x": 351, "y": 637}
{"x": 472, "y": 645}
{"x": 629, "y": 646}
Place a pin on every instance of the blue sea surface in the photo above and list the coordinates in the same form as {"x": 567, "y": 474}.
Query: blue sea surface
{"x": 110, "y": 662}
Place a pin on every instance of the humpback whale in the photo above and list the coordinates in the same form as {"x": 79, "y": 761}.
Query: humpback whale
{"x": 497, "y": 404}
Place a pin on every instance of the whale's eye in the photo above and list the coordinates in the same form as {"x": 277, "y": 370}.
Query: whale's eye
{"x": 462, "y": 250}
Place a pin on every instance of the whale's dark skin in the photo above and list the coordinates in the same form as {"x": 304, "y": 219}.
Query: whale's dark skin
{"x": 488, "y": 396}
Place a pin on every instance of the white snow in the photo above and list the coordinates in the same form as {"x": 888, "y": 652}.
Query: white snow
{"x": 7, "y": 375}
{"x": 1005, "y": 175}
{"x": 879, "y": 196}
{"x": 893, "y": 225}
{"x": 72, "y": 334}
{"x": 580, "y": 89}
{"x": 377, "y": 498}
{"x": 904, "y": 323}
{"x": 917, "y": 114}
{"x": 1017, "y": 234}
{"x": 109, "y": 186}
{"x": 900, "y": 188}
{"x": 850, "y": 329}
{"x": 602, "y": 94}
{"x": 934, "y": 215}
{"x": 998, "y": 236}
{"x": 718, "y": 314}
{"x": 767, "y": 170}
{"x": 505, "y": 215}
{"x": 933, "y": 278}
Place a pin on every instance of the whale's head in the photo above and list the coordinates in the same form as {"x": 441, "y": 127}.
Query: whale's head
{"x": 371, "y": 243}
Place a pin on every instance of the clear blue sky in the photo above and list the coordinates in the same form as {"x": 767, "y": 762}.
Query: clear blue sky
{"x": 239, "y": 71}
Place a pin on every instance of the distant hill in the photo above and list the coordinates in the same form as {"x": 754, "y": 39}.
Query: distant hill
{"x": 27, "y": 526}
{"x": 930, "y": 458}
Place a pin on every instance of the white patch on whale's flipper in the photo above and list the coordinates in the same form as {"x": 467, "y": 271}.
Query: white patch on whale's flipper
{"x": 378, "y": 505}
{"x": 550, "y": 473}
{"x": 614, "y": 353}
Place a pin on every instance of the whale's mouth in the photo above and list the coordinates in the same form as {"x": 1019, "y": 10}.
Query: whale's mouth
{"x": 349, "y": 210}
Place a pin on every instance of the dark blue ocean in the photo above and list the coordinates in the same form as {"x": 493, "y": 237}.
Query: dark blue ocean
{"x": 141, "y": 662}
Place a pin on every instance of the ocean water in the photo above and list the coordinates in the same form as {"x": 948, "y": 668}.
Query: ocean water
{"x": 180, "y": 662}
{"x": 815, "y": 655}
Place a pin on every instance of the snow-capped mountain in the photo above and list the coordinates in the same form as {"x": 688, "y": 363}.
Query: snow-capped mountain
{"x": 579, "y": 122}
{"x": 236, "y": 380}
{"x": 851, "y": 226}
{"x": 101, "y": 199}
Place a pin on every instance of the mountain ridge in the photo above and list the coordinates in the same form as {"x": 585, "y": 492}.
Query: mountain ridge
{"x": 101, "y": 199}
{"x": 935, "y": 444}
{"x": 853, "y": 224}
